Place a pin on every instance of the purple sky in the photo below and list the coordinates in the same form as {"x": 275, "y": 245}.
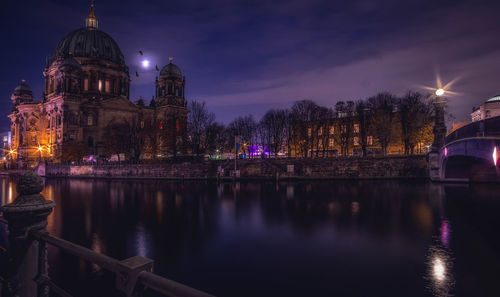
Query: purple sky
{"x": 245, "y": 57}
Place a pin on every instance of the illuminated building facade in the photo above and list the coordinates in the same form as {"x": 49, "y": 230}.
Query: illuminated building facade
{"x": 490, "y": 108}
{"x": 343, "y": 136}
{"x": 86, "y": 92}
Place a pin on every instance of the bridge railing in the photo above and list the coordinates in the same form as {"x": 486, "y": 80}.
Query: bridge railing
{"x": 27, "y": 271}
{"x": 483, "y": 128}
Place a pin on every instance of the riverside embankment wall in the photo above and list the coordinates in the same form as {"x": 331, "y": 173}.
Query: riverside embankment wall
{"x": 332, "y": 168}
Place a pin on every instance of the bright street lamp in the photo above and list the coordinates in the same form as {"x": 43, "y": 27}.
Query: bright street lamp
{"x": 439, "y": 92}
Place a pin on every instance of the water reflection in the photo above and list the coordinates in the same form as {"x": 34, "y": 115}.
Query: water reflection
{"x": 440, "y": 267}
{"x": 445, "y": 232}
{"x": 281, "y": 239}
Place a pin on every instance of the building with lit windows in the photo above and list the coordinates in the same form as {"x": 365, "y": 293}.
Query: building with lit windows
{"x": 490, "y": 108}
{"x": 86, "y": 95}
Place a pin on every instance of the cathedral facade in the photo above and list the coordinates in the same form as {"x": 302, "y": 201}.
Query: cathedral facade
{"x": 86, "y": 108}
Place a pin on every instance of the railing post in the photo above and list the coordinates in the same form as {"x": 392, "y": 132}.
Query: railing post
{"x": 26, "y": 260}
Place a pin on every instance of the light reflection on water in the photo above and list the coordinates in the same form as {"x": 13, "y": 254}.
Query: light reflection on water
{"x": 440, "y": 271}
{"x": 291, "y": 238}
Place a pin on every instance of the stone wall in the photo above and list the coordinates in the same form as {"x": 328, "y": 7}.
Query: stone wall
{"x": 335, "y": 168}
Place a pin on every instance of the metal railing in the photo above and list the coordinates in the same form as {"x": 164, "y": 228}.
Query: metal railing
{"x": 27, "y": 274}
{"x": 132, "y": 274}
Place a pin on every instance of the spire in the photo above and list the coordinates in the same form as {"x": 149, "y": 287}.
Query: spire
{"x": 91, "y": 20}
{"x": 170, "y": 59}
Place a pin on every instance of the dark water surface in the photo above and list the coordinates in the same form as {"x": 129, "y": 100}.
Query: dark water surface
{"x": 314, "y": 238}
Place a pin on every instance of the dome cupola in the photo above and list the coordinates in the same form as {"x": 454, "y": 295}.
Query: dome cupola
{"x": 495, "y": 98}
{"x": 170, "y": 86}
{"x": 91, "y": 21}
{"x": 23, "y": 89}
{"x": 22, "y": 94}
{"x": 89, "y": 42}
{"x": 171, "y": 69}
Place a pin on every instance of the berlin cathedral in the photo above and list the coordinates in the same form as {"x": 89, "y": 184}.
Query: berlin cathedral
{"x": 86, "y": 110}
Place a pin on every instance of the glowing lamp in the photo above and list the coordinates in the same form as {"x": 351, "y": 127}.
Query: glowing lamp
{"x": 446, "y": 152}
{"x": 40, "y": 148}
{"x": 495, "y": 156}
{"x": 11, "y": 151}
{"x": 145, "y": 63}
{"x": 439, "y": 92}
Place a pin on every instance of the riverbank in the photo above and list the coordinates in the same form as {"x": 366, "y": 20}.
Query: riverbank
{"x": 397, "y": 167}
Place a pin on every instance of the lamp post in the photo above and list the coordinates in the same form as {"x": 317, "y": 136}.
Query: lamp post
{"x": 439, "y": 122}
{"x": 439, "y": 130}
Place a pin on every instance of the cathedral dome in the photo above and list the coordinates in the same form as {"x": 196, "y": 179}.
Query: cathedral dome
{"x": 171, "y": 69}
{"x": 89, "y": 43}
{"x": 23, "y": 88}
{"x": 70, "y": 62}
{"x": 494, "y": 99}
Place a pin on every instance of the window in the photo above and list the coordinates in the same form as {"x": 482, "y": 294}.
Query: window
{"x": 356, "y": 141}
{"x": 369, "y": 140}
{"x": 343, "y": 128}
{"x": 72, "y": 137}
{"x": 309, "y": 132}
{"x": 142, "y": 124}
{"x": 90, "y": 120}
{"x": 356, "y": 128}
{"x": 320, "y": 132}
{"x": 86, "y": 84}
{"x": 332, "y": 130}
{"x": 100, "y": 85}
{"x": 107, "y": 86}
{"x": 331, "y": 142}
{"x": 320, "y": 144}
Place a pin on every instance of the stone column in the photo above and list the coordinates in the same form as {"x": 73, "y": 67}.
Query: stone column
{"x": 27, "y": 257}
{"x": 439, "y": 136}
{"x": 439, "y": 124}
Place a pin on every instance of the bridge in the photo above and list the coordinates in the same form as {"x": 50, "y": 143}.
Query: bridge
{"x": 469, "y": 154}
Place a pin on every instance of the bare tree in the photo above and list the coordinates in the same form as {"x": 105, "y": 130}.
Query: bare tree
{"x": 415, "y": 114}
{"x": 199, "y": 118}
{"x": 214, "y": 140}
{"x": 117, "y": 139}
{"x": 382, "y": 106}
{"x": 345, "y": 125}
{"x": 363, "y": 115}
{"x": 244, "y": 127}
{"x": 274, "y": 126}
{"x": 303, "y": 113}
{"x": 152, "y": 138}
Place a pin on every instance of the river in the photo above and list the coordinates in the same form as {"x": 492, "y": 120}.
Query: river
{"x": 311, "y": 238}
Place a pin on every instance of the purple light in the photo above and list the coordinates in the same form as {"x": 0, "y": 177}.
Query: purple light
{"x": 446, "y": 152}
{"x": 445, "y": 232}
{"x": 257, "y": 150}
